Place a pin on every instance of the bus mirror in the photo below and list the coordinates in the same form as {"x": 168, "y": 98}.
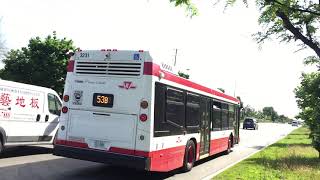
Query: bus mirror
{"x": 241, "y": 105}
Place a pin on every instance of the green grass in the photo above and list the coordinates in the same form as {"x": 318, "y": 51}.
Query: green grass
{"x": 290, "y": 158}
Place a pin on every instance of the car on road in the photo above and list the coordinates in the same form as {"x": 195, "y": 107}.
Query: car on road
{"x": 250, "y": 123}
{"x": 295, "y": 123}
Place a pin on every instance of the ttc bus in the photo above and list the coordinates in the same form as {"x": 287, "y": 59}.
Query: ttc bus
{"x": 126, "y": 108}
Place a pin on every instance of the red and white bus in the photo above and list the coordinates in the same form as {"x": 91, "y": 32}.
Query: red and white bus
{"x": 126, "y": 108}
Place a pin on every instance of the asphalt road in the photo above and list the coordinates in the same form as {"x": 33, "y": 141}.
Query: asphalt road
{"x": 37, "y": 163}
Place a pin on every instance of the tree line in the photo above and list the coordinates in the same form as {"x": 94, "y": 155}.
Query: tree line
{"x": 266, "y": 114}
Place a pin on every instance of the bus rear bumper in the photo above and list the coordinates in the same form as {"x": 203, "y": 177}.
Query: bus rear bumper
{"x": 141, "y": 163}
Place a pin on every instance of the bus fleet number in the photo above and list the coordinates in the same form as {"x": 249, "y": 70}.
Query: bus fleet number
{"x": 102, "y": 99}
{"x": 84, "y": 55}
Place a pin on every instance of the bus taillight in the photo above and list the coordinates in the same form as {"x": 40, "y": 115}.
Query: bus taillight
{"x": 144, "y": 104}
{"x": 143, "y": 117}
{"x": 64, "y": 109}
{"x": 66, "y": 98}
{"x": 70, "y": 66}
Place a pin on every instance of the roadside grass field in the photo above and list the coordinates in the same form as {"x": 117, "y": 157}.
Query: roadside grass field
{"x": 290, "y": 158}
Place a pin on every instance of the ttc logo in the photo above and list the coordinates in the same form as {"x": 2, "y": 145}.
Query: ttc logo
{"x": 127, "y": 85}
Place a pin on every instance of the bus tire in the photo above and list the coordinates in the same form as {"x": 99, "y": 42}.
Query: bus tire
{"x": 1, "y": 145}
{"x": 229, "y": 145}
{"x": 189, "y": 156}
{"x": 55, "y": 138}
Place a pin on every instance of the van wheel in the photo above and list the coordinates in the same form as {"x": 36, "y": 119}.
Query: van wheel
{"x": 189, "y": 156}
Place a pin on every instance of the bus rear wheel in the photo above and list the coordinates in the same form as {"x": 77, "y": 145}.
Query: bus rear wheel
{"x": 189, "y": 156}
{"x": 1, "y": 146}
{"x": 229, "y": 145}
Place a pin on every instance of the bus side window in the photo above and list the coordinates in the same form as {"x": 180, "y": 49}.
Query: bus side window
{"x": 160, "y": 128}
{"x": 192, "y": 112}
{"x": 169, "y": 110}
{"x": 216, "y": 116}
{"x": 225, "y": 122}
{"x": 231, "y": 116}
{"x": 175, "y": 107}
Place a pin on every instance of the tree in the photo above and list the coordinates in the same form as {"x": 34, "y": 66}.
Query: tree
{"x": 308, "y": 99}
{"x": 184, "y": 75}
{"x": 270, "y": 112}
{"x": 42, "y": 63}
{"x": 260, "y": 115}
{"x": 221, "y": 89}
{"x": 283, "y": 118}
{"x": 286, "y": 20}
{"x": 190, "y": 7}
{"x": 249, "y": 111}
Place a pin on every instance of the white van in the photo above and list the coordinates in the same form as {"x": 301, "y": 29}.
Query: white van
{"x": 28, "y": 114}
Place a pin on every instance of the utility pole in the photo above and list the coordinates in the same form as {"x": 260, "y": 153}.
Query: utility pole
{"x": 175, "y": 57}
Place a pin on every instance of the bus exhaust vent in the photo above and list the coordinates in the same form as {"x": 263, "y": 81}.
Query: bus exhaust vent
{"x": 108, "y": 68}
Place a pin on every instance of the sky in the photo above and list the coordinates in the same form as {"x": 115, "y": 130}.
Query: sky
{"x": 216, "y": 47}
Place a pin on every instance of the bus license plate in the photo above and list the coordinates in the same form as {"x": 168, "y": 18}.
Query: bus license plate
{"x": 99, "y": 144}
{"x": 102, "y": 100}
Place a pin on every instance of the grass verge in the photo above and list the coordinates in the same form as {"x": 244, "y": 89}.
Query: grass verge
{"x": 290, "y": 158}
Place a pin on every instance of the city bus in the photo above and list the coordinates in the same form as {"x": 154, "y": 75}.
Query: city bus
{"x": 130, "y": 109}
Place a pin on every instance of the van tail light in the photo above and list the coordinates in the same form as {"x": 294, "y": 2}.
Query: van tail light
{"x": 64, "y": 109}
{"x": 143, "y": 117}
{"x": 70, "y": 66}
